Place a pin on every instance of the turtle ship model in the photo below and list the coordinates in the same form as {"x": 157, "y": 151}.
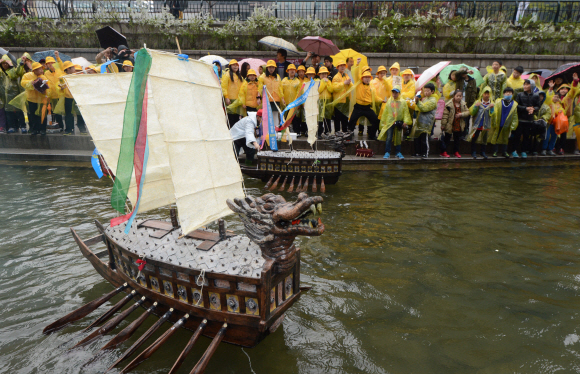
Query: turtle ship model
{"x": 230, "y": 288}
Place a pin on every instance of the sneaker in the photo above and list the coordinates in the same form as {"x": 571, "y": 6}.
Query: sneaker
{"x": 23, "y": 130}
{"x": 387, "y": 155}
{"x": 84, "y": 133}
{"x": 561, "y": 151}
{"x": 456, "y": 154}
{"x": 507, "y": 155}
{"x": 551, "y": 153}
{"x": 10, "y": 131}
{"x": 515, "y": 154}
{"x": 524, "y": 155}
{"x": 2, "y": 130}
{"x": 474, "y": 155}
{"x": 577, "y": 152}
{"x": 494, "y": 154}
{"x": 424, "y": 157}
{"x": 484, "y": 155}
{"x": 67, "y": 133}
{"x": 543, "y": 153}
{"x": 400, "y": 156}
{"x": 534, "y": 153}
{"x": 444, "y": 154}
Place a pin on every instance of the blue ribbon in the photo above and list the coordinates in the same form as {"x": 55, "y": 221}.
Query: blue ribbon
{"x": 96, "y": 164}
{"x": 271, "y": 127}
{"x": 104, "y": 66}
{"x": 299, "y": 101}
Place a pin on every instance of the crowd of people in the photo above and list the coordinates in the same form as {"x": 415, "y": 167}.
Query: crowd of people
{"x": 504, "y": 111}
{"x": 33, "y": 91}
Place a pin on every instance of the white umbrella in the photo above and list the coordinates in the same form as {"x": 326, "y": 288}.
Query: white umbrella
{"x": 81, "y": 61}
{"x": 430, "y": 73}
{"x": 209, "y": 59}
{"x": 278, "y": 43}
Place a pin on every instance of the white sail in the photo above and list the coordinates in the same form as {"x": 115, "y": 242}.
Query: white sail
{"x": 101, "y": 99}
{"x": 204, "y": 169}
{"x": 311, "y": 112}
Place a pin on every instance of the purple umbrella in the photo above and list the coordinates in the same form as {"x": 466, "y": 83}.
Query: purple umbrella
{"x": 318, "y": 45}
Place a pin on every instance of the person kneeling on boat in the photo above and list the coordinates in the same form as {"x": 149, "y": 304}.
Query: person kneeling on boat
{"x": 243, "y": 134}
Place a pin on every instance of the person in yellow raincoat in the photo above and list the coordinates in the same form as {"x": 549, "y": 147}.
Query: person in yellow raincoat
{"x": 9, "y": 89}
{"x": 325, "y": 111}
{"x": 248, "y": 96}
{"x": 395, "y": 69}
{"x": 379, "y": 84}
{"x": 69, "y": 104}
{"x": 231, "y": 82}
{"x": 357, "y": 72}
{"x": 426, "y": 105}
{"x": 365, "y": 97}
{"x": 504, "y": 121}
{"x": 515, "y": 81}
{"x": 495, "y": 79}
{"x": 408, "y": 86}
{"x": 566, "y": 93}
{"x": 341, "y": 83}
{"x": 291, "y": 86}
{"x": 272, "y": 81}
{"x": 482, "y": 113}
{"x": 36, "y": 99}
{"x": 53, "y": 74}
{"x": 395, "y": 117}
{"x": 127, "y": 66}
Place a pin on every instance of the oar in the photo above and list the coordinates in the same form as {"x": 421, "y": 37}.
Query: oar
{"x": 199, "y": 368}
{"x": 111, "y": 324}
{"x": 275, "y": 184}
{"x": 314, "y": 189}
{"x": 111, "y": 311}
{"x": 269, "y": 182}
{"x": 322, "y": 186}
{"x": 148, "y": 352}
{"x": 82, "y": 311}
{"x": 299, "y": 188}
{"x": 142, "y": 339}
{"x": 283, "y": 184}
{"x": 188, "y": 347}
{"x": 291, "y": 188}
{"x": 305, "y": 187}
{"x": 129, "y": 330}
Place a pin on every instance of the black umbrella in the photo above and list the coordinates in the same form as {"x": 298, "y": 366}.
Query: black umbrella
{"x": 5, "y": 52}
{"x": 565, "y": 72}
{"x": 544, "y": 73}
{"x": 44, "y": 54}
{"x": 109, "y": 37}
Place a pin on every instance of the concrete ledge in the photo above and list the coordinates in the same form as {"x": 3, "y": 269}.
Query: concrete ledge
{"x": 47, "y": 142}
{"x": 44, "y": 155}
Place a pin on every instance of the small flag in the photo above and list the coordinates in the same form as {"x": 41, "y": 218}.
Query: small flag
{"x": 96, "y": 164}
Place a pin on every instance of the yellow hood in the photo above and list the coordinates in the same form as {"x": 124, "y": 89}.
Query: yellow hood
{"x": 395, "y": 66}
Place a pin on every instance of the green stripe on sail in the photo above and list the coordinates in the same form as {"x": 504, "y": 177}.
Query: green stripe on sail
{"x": 131, "y": 121}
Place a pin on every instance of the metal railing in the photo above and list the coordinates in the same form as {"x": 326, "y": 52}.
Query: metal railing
{"x": 548, "y": 11}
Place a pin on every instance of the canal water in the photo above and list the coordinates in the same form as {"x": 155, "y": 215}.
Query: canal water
{"x": 421, "y": 270}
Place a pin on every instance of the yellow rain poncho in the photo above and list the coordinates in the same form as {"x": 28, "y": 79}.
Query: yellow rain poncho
{"x": 340, "y": 88}
{"x": 290, "y": 88}
{"x": 482, "y": 117}
{"x": 273, "y": 85}
{"x": 395, "y": 110}
{"x": 248, "y": 96}
{"x": 426, "y": 117}
{"x": 408, "y": 88}
{"x": 576, "y": 120}
{"x": 497, "y": 83}
{"x": 53, "y": 77}
{"x": 231, "y": 89}
{"x": 9, "y": 87}
{"x": 516, "y": 84}
{"x": 325, "y": 90}
{"x": 500, "y": 134}
{"x": 33, "y": 95}
{"x": 448, "y": 90}
{"x": 396, "y": 73}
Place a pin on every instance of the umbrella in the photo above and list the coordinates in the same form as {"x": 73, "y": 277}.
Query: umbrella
{"x": 209, "y": 59}
{"x": 318, "y": 45}
{"x": 44, "y": 54}
{"x": 254, "y": 63}
{"x": 346, "y": 53}
{"x": 444, "y": 74}
{"x": 430, "y": 73}
{"x": 82, "y": 62}
{"x": 565, "y": 72}
{"x": 109, "y": 37}
{"x": 277, "y": 43}
{"x": 544, "y": 73}
{"x": 10, "y": 55}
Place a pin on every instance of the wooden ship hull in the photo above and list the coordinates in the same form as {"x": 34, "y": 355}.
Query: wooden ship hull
{"x": 273, "y": 295}
{"x": 308, "y": 165}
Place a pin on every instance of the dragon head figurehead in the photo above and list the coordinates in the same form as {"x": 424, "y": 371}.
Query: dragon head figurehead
{"x": 273, "y": 223}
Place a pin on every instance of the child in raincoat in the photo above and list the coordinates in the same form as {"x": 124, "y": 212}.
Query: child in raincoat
{"x": 272, "y": 81}
{"x": 395, "y": 117}
{"x": 394, "y": 78}
{"x": 482, "y": 113}
{"x": 9, "y": 89}
{"x": 426, "y": 105}
{"x": 231, "y": 82}
{"x": 53, "y": 74}
{"x": 379, "y": 85}
{"x": 565, "y": 94}
{"x": 365, "y": 97}
{"x": 324, "y": 101}
{"x": 37, "y": 101}
{"x": 248, "y": 95}
{"x": 291, "y": 85}
{"x": 515, "y": 81}
{"x": 505, "y": 120}
{"x": 495, "y": 79}
{"x": 408, "y": 87}
{"x": 341, "y": 84}
{"x": 453, "y": 123}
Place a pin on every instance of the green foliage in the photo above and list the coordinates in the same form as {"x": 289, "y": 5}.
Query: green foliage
{"x": 428, "y": 30}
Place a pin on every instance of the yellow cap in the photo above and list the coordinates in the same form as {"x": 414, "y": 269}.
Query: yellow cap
{"x": 127, "y": 63}
{"x": 301, "y": 67}
{"x": 66, "y": 65}
{"x": 271, "y": 63}
{"x": 78, "y": 68}
{"x": 311, "y": 71}
{"x": 340, "y": 62}
{"x": 251, "y": 72}
{"x": 322, "y": 70}
{"x": 291, "y": 67}
{"x": 49, "y": 59}
{"x": 36, "y": 65}
{"x": 381, "y": 68}
{"x": 233, "y": 62}
{"x": 367, "y": 74}
{"x": 408, "y": 71}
